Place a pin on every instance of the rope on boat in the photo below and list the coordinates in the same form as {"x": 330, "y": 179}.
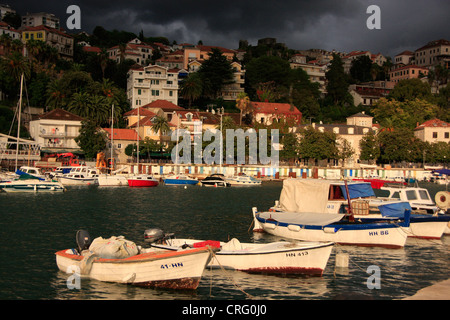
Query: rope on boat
{"x": 230, "y": 277}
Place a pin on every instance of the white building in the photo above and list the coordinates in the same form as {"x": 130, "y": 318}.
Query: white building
{"x": 55, "y": 131}
{"x": 151, "y": 83}
{"x": 40, "y": 18}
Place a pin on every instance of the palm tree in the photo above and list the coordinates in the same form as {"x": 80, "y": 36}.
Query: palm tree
{"x": 162, "y": 125}
{"x": 243, "y": 104}
{"x": 191, "y": 88}
{"x": 80, "y": 104}
{"x": 15, "y": 65}
{"x": 103, "y": 59}
{"x": 56, "y": 95}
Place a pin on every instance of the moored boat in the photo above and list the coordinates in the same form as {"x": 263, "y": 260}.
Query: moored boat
{"x": 279, "y": 257}
{"x": 142, "y": 180}
{"x": 81, "y": 175}
{"x": 180, "y": 179}
{"x": 243, "y": 180}
{"x": 121, "y": 261}
{"x": 112, "y": 180}
{"x": 215, "y": 180}
{"x": 31, "y": 185}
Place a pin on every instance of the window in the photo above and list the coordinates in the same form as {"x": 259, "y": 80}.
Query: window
{"x": 139, "y": 91}
{"x": 446, "y": 135}
{"x": 424, "y": 195}
{"x": 155, "y": 92}
{"x": 411, "y": 195}
{"x": 435, "y": 135}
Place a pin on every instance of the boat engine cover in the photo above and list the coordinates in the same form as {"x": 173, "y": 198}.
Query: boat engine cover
{"x": 84, "y": 240}
{"x": 153, "y": 235}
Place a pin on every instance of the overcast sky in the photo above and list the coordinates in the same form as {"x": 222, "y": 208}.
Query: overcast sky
{"x": 300, "y": 24}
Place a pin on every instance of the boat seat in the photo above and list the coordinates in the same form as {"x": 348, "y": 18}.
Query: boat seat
{"x": 232, "y": 245}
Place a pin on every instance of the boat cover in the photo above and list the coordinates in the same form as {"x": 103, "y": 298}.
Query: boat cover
{"x": 311, "y": 219}
{"x": 396, "y": 209}
{"x": 358, "y": 190}
{"x": 311, "y": 195}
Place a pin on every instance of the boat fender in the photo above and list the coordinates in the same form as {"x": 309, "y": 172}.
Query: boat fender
{"x": 442, "y": 199}
{"x": 293, "y": 227}
{"x": 330, "y": 230}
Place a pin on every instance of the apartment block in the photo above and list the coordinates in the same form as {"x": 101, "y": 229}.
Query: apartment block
{"x": 151, "y": 83}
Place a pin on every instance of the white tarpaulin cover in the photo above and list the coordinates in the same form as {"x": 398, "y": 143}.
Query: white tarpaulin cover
{"x": 304, "y": 195}
{"x": 311, "y": 219}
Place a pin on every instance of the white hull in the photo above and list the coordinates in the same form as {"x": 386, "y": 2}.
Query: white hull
{"x": 107, "y": 180}
{"x": 275, "y": 258}
{"x": 175, "y": 270}
{"x": 31, "y": 186}
{"x": 77, "y": 181}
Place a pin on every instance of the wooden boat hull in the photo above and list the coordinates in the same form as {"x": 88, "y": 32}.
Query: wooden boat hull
{"x": 172, "y": 270}
{"x": 388, "y": 235}
{"x": 267, "y": 258}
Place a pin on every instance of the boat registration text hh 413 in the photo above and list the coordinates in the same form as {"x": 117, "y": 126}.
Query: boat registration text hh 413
{"x": 297, "y": 254}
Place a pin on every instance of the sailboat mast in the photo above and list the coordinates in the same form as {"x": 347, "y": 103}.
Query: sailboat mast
{"x": 112, "y": 139}
{"x": 137, "y": 139}
{"x": 18, "y": 121}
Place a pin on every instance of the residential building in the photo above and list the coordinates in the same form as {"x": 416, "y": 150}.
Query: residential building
{"x": 201, "y": 53}
{"x": 4, "y": 9}
{"x": 174, "y": 60}
{"x": 135, "y": 50}
{"x": 432, "y": 131}
{"x": 315, "y": 71}
{"x": 433, "y": 53}
{"x": 55, "y": 38}
{"x": 404, "y": 58}
{"x": 121, "y": 139}
{"x": 367, "y": 94}
{"x": 353, "y": 131}
{"x": 11, "y": 32}
{"x": 40, "y": 18}
{"x": 151, "y": 83}
{"x": 407, "y": 72}
{"x": 267, "y": 113}
{"x": 55, "y": 131}
{"x": 378, "y": 58}
{"x": 232, "y": 90}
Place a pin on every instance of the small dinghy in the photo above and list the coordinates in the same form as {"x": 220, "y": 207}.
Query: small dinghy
{"x": 279, "y": 257}
{"x": 119, "y": 260}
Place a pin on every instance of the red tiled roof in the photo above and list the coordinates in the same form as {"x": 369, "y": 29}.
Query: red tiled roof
{"x": 409, "y": 66}
{"x": 433, "y": 123}
{"x": 209, "y": 48}
{"x": 275, "y": 108}
{"x": 122, "y": 134}
{"x": 92, "y": 49}
{"x": 163, "y": 104}
{"x": 60, "y": 114}
{"x": 142, "y": 112}
{"x": 406, "y": 53}
{"x": 42, "y": 27}
{"x": 435, "y": 43}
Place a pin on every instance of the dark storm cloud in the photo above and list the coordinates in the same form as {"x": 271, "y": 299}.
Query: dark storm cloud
{"x": 327, "y": 24}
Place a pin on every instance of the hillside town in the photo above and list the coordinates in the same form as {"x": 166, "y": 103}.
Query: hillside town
{"x": 352, "y": 105}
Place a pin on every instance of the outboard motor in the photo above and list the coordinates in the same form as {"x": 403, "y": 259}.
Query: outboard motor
{"x": 84, "y": 240}
{"x": 153, "y": 235}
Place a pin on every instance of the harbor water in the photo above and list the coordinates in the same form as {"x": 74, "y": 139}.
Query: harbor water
{"x": 34, "y": 226}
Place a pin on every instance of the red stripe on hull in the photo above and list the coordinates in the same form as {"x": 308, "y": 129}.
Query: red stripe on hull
{"x": 140, "y": 183}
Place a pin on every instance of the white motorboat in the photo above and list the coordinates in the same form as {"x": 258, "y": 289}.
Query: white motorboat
{"x": 243, "y": 180}
{"x": 31, "y": 185}
{"x": 81, "y": 175}
{"x": 112, "y": 180}
{"x": 119, "y": 260}
{"x": 279, "y": 257}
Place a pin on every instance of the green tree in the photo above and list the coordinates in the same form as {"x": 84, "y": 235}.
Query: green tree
{"x": 191, "y": 87}
{"x": 161, "y": 125}
{"x": 411, "y": 89}
{"x": 369, "y": 146}
{"x": 90, "y": 139}
{"x": 317, "y": 145}
{"x": 290, "y": 147}
{"x": 215, "y": 73}
{"x": 361, "y": 69}
{"x": 337, "y": 84}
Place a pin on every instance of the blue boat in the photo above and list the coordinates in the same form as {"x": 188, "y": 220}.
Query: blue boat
{"x": 180, "y": 179}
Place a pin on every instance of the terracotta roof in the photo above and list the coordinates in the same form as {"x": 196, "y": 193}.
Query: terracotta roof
{"x": 275, "y": 108}
{"x": 409, "y": 66}
{"x": 92, "y": 49}
{"x": 60, "y": 114}
{"x": 406, "y": 53}
{"x": 42, "y": 27}
{"x": 142, "y": 112}
{"x": 432, "y": 124}
{"x": 435, "y": 43}
{"x": 209, "y": 48}
{"x": 123, "y": 134}
{"x": 163, "y": 104}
